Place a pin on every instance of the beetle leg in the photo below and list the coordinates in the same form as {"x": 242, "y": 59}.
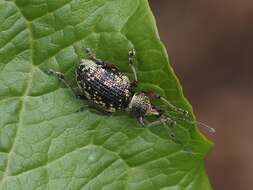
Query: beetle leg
{"x": 105, "y": 64}
{"x": 92, "y": 57}
{"x": 61, "y": 77}
{"x": 162, "y": 120}
{"x": 155, "y": 96}
{"x": 131, "y": 65}
{"x": 141, "y": 121}
{"x": 161, "y": 111}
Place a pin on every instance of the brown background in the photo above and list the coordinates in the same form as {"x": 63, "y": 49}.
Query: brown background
{"x": 210, "y": 44}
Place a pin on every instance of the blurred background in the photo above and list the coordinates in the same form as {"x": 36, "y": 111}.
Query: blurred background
{"x": 210, "y": 44}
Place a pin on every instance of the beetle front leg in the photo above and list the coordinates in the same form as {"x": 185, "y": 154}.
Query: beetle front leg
{"x": 131, "y": 65}
{"x": 156, "y": 96}
{"x": 164, "y": 121}
{"x": 161, "y": 120}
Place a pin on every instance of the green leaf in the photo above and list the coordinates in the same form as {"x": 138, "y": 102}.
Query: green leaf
{"x": 45, "y": 143}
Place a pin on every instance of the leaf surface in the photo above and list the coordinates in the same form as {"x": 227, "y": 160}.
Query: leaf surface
{"x": 45, "y": 143}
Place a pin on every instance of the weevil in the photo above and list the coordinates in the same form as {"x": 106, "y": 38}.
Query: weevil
{"x": 103, "y": 84}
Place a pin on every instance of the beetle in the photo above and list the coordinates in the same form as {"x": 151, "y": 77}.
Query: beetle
{"x": 105, "y": 86}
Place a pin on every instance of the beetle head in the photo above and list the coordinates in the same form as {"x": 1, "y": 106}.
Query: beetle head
{"x": 141, "y": 106}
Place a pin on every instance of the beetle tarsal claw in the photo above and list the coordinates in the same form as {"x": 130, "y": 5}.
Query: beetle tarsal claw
{"x": 185, "y": 112}
{"x": 50, "y": 71}
{"x": 132, "y": 52}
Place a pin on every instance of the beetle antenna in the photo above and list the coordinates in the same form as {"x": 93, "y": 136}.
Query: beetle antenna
{"x": 205, "y": 126}
{"x": 200, "y": 124}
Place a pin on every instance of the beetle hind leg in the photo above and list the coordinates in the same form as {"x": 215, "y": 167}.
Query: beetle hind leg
{"x": 168, "y": 123}
{"x": 93, "y": 57}
{"x": 62, "y": 78}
